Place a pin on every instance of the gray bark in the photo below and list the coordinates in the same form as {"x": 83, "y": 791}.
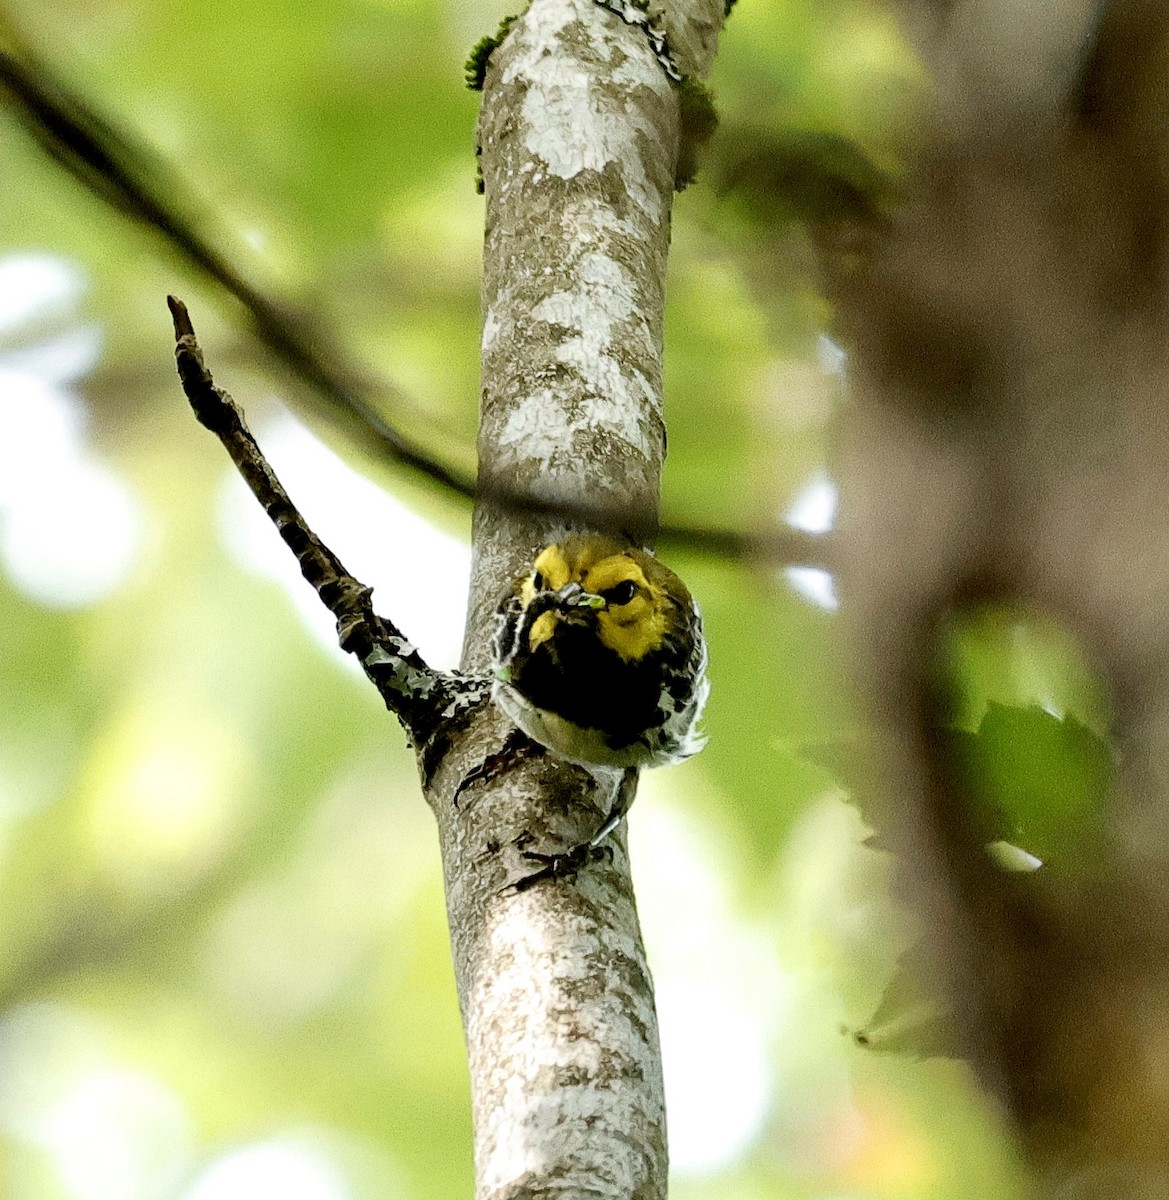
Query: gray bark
{"x": 579, "y": 135}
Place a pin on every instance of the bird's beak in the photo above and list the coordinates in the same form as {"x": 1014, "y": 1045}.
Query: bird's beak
{"x": 574, "y": 596}
{"x": 567, "y": 604}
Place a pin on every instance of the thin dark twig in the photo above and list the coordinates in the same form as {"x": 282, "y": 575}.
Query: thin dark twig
{"x": 216, "y": 410}
{"x": 135, "y": 181}
{"x": 422, "y": 698}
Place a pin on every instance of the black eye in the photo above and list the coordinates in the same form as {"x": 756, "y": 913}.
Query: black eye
{"x": 538, "y": 581}
{"x": 621, "y": 593}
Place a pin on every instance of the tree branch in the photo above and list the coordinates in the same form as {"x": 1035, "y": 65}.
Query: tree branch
{"x": 579, "y": 134}
{"x": 419, "y": 696}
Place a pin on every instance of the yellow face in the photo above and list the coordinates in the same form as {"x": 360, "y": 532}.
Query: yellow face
{"x": 637, "y": 609}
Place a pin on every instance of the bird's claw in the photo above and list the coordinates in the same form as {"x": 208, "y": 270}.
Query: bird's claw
{"x": 557, "y": 866}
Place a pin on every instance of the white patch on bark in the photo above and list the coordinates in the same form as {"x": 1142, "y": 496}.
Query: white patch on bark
{"x": 554, "y": 1094}
{"x": 575, "y": 485}
{"x": 537, "y": 425}
{"x": 541, "y": 424}
{"x": 607, "y": 296}
{"x": 605, "y": 301}
{"x": 491, "y": 328}
{"x": 569, "y": 123}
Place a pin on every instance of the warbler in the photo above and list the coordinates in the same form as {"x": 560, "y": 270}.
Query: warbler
{"x": 599, "y": 655}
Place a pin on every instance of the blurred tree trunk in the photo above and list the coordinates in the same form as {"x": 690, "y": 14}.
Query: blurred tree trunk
{"x": 579, "y": 139}
{"x": 1009, "y": 440}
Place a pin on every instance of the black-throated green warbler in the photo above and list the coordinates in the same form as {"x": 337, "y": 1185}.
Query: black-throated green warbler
{"x": 599, "y": 656}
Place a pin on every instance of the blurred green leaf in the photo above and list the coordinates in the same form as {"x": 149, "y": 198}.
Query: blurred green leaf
{"x": 783, "y": 175}
{"x": 1042, "y": 783}
{"x": 911, "y": 1019}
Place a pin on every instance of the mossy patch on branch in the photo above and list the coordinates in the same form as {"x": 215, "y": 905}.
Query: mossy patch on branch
{"x": 475, "y": 69}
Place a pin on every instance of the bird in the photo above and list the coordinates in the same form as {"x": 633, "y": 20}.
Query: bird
{"x": 598, "y": 655}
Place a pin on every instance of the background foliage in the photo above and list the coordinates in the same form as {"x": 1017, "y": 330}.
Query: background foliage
{"x": 225, "y": 969}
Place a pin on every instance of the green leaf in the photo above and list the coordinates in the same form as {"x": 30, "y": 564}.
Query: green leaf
{"x": 1042, "y": 782}
{"x": 855, "y": 765}
{"x": 910, "y": 1019}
